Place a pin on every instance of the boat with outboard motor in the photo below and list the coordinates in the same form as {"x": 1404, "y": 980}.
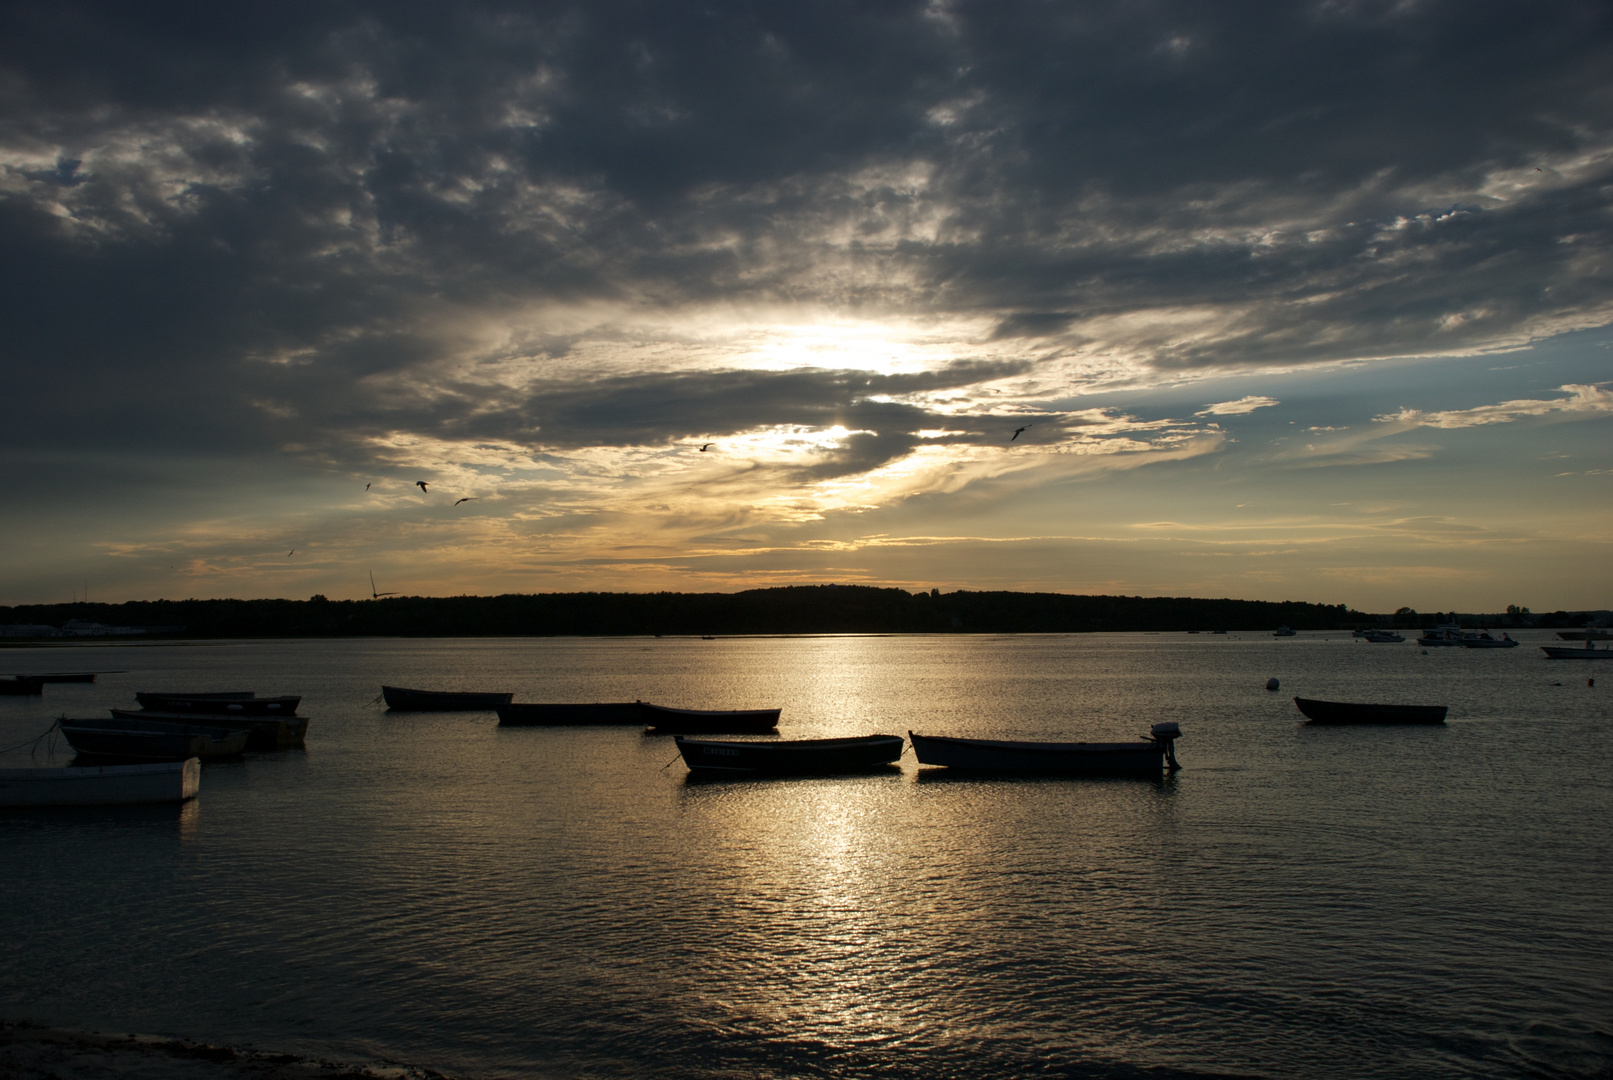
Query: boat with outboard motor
{"x": 1143, "y": 758}
{"x": 1588, "y": 651}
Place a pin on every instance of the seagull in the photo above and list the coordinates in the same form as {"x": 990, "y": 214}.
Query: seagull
{"x": 421, "y": 484}
{"x": 467, "y": 498}
{"x": 377, "y": 595}
{"x": 1015, "y": 435}
{"x": 290, "y": 553}
{"x": 367, "y": 486}
{"x": 706, "y": 447}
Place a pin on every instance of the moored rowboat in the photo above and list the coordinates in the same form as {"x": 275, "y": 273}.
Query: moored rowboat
{"x": 400, "y": 699}
{"x": 1349, "y": 712}
{"x": 160, "y": 740}
{"x": 666, "y": 721}
{"x": 232, "y": 703}
{"x": 783, "y": 756}
{"x": 1142, "y": 758}
{"x": 104, "y": 785}
{"x": 561, "y": 715}
{"x": 264, "y": 732}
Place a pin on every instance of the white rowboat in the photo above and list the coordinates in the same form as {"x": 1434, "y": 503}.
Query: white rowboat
{"x": 104, "y": 785}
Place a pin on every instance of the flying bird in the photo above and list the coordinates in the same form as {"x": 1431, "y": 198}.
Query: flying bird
{"x": 706, "y": 447}
{"x": 367, "y": 486}
{"x": 467, "y": 498}
{"x": 377, "y": 595}
{"x": 1015, "y": 435}
{"x": 421, "y": 484}
{"x": 290, "y": 553}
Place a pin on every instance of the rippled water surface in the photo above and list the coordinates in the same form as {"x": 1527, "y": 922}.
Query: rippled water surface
{"x": 490, "y": 902}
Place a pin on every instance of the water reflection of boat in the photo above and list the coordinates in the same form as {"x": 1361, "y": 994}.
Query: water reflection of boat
{"x": 103, "y": 785}
{"x": 522, "y": 714}
{"x": 400, "y": 699}
{"x": 264, "y": 732}
{"x": 1142, "y": 758}
{"x": 799, "y": 756}
{"x": 153, "y": 741}
{"x": 665, "y": 721}
{"x": 1349, "y": 712}
{"x": 1588, "y": 651}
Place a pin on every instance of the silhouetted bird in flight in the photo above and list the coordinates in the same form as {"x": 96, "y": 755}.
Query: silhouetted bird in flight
{"x": 377, "y": 595}
{"x": 421, "y": 484}
{"x": 467, "y": 498}
{"x": 290, "y": 553}
{"x": 706, "y": 447}
{"x": 367, "y": 486}
{"x": 1015, "y": 435}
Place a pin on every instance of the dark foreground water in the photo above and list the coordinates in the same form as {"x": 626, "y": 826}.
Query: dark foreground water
{"x": 493, "y": 902}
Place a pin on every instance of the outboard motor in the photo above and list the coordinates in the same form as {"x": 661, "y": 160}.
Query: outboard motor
{"x": 1167, "y": 733}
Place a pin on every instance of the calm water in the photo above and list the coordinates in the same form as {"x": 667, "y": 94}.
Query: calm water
{"x": 490, "y": 902}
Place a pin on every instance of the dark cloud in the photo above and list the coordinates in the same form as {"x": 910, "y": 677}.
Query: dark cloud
{"x": 237, "y": 218}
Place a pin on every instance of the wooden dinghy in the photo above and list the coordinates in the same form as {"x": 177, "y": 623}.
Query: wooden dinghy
{"x": 264, "y": 732}
{"x": 1142, "y": 758}
{"x": 399, "y": 699}
{"x": 103, "y": 785}
{"x": 159, "y": 740}
{"x": 1349, "y": 712}
{"x": 667, "y": 721}
{"x": 539, "y": 715}
{"x": 229, "y": 703}
{"x": 818, "y": 757}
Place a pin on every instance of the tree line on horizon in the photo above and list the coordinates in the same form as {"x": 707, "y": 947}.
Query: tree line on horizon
{"x": 798, "y": 609}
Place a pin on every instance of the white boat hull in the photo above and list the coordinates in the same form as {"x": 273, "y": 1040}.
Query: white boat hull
{"x": 106, "y": 785}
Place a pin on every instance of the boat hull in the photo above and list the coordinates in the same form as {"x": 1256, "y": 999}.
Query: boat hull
{"x": 1048, "y": 758}
{"x": 665, "y": 721}
{"x": 1347, "y": 712}
{"x": 818, "y": 757}
{"x": 578, "y": 715}
{"x": 105, "y": 785}
{"x": 1561, "y": 652}
{"x": 400, "y": 699}
{"x": 22, "y": 686}
{"x": 231, "y": 704}
{"x": 263, "y": 732}
{"x": 205, "y": 742}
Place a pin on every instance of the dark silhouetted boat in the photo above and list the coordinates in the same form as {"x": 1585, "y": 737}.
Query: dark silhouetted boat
{"x": 1588, "y": 651}
{"x": 399, "y": 699}
{"x": 231, "y": 703}
{"x": 818, "y": 757}
{"x": 1383, "y": 637}
{"x": 1349, "y": 712}
{"x": 61, "y": 676}
{"x": 217, "y": 741}
{"x": 22, "y": 684}
{"x": 114, "y": 738}
{"x": 265, "y": 732}
{"x": 103, "y": 785}
{"x": 665, "y": 721}
{"x": 578, "y": 715}
{"x": 1146, "y": 757}
{"x": 1483, "y": 640}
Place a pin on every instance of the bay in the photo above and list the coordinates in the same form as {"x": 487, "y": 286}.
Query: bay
{"x": 489, "y": 902}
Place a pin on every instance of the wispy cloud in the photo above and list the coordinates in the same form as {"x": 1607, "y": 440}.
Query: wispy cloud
{"x": 1234, "y": 408}
{"x": 1582, "y": 402}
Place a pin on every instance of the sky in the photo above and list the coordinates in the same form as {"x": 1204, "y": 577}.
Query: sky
{"x": 1292, "y": 301}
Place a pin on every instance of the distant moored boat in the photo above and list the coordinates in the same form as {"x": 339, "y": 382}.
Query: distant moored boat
{"x": 104, "y": 785}
{"x": 784, "y": 756}
{"x": 1142, "y": 758}
{"x": 400, "y": 699}
{"x": 1349, "y": 712}
{"x": 264, "y": 732}
{"x": 1588, "y": 651}
{"x": 157, "y": 742}
{"x": 665, "y": 721}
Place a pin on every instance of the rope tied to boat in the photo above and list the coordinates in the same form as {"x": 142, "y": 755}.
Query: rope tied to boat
{"x": 54, "y": 724}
